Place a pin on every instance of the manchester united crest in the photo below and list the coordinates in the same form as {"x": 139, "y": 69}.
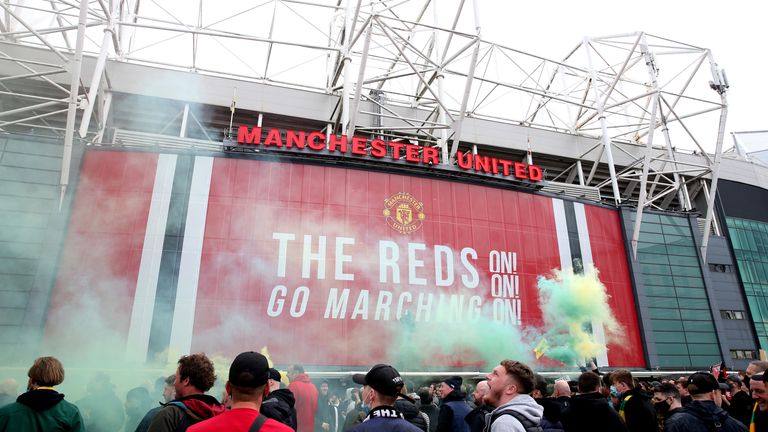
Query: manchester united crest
{"x": 404, "y": 213}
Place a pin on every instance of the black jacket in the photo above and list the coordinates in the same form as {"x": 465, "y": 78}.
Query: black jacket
{"x": 432, "y": 411}
{"x": 279, "y": 405}
{"x": 591, "y": 412}
{"x": 411, "y": 413}
{"x": 701, "y": 416}
{"x": 741, "y": 407}
{"x": 476, "y": 418}
{"x": 552, "y": 412}
{"x": 639, "y": 414}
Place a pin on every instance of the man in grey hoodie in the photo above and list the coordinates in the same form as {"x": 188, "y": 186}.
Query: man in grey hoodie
{"x": 510, "y": 384}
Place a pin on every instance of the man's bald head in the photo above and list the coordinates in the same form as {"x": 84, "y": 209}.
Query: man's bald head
{"x": 561, "y": 388}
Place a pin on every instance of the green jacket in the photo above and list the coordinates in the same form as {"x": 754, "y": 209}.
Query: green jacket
{"x": 41, "y": 410}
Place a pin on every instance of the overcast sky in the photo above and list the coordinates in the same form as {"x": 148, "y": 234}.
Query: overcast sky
{"x": 736, "y": 32}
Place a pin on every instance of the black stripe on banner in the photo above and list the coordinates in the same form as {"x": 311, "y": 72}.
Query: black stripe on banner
{"x": 168, "y": 278}
{"x": 573, "y": 237}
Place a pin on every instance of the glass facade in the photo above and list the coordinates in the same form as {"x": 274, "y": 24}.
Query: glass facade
{"x": 679, "y": 309}
{"x": 750, "y": 245}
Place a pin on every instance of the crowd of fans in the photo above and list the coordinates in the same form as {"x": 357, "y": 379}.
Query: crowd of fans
{"x": 511, "y": 398}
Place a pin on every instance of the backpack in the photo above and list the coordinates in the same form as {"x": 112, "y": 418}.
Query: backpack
{"x": 528, "y": 425}
{"x": 187, "y": 419}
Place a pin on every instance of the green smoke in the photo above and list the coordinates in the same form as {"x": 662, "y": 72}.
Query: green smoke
{"x": 570, "y": 303}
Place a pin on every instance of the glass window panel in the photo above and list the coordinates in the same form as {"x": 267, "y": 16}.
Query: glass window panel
{"x": 690, "y": 282}
{"x": 703, "y": 349}
{"x": 695, "y": 337}
{"x": 656, "y": 313}
{"x": 698, "y": 326}
{"x": 676, "y": 362}
{"x": 663, "y": 302}
{"x": 650, "y": 258}
{"x": 702, "y": 304}
{"x": 685, "y": 271}
{"x": 660, "y": 291}
{"x": 667, "y": 325}
{"x": 681, "y": 250}
{"x": 650, "y": 228}
{"x": 704, "y": 362}
{"x": 669, "y": 337}
{"x": 651, "y": 248}
{"x": 677, "y": 230}
{"x": 651, "y": 238}
{"x": 678, "y": 240}
{"x": 671, "y": 349}
{"x": 656, "y": 269}
{"x": 689, "y": 293}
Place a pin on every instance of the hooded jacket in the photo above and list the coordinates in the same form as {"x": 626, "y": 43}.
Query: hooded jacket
{"x": 41, "y": 410}
{"x": 591, "y": 412}
{"x": 175, "y": 418}
{"x": 305, "y": 394}
{"x": 279, "y": 405}
{"x": 411, "y": 413}
{"x": 701, "y": 416}
{"x": 524, "y": 405}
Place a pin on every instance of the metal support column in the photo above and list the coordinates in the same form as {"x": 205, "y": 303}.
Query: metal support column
{"x": 73, "y": 100}
{"x": 605, "y": 139}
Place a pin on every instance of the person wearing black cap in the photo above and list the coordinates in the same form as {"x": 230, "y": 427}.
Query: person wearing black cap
{"x": 279, "y": 405}
{"x": 247, "y": 386}
{"x": 741, "y": 404}
{"x": 704, "y": 413}
{"x": 453, "y": 407}
{"x": 382, "y": 385}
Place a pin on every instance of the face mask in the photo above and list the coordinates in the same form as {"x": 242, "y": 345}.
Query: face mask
{"x": 661, "y": 407}
{"x": 615, "y": 392}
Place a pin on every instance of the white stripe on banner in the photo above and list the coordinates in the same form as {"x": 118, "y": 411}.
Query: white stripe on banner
{"x": 189, "y": 267}
{"x": 598, "y": 331}
{"x": 151, "y": 254}
{"x": 561, "y": 225}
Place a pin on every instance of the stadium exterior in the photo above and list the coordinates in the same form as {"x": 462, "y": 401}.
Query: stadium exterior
{"x": 400, "y": 186}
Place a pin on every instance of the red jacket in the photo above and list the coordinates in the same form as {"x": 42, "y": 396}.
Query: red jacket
{"x": 306, "y": 402}
{"x": 237, "y": 420}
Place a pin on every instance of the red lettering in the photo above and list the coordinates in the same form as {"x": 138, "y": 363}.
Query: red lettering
{"x": 316, "y": 141}
{"x": 246, "y": 137}
{"x": 335, "y": 142}
{"x": 520, "y": 170}
{"x": 535, "y": 172}
{"x": 465, "y": 163}
{"x": 358, "y": 146}
{"x": 430, "y": 155}
{"x": 505, "y": 164}
{"x": 494, "y": 165}
{"x": 274, "y": 138}
{"x": 293, "y": 138}
{"x": 378, "y": 148}
{"x": 482, "y": 164}
{"x": 396, "y": 147}
{"x": 412, "y": 153}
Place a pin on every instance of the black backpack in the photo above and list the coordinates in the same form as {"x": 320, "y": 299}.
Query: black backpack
{"x": 528, "y": 425}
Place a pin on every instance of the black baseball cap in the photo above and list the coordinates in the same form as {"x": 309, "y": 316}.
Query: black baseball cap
{"x": 384, "y": 379}
{"x": 249, "y": 369}
{"x": 702, "y": 382}
{"x": 274, "y": 374}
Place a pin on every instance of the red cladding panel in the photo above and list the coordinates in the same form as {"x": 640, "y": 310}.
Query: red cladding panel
{"x": 100, "y": 261}
{"x": 610, "y": 259}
